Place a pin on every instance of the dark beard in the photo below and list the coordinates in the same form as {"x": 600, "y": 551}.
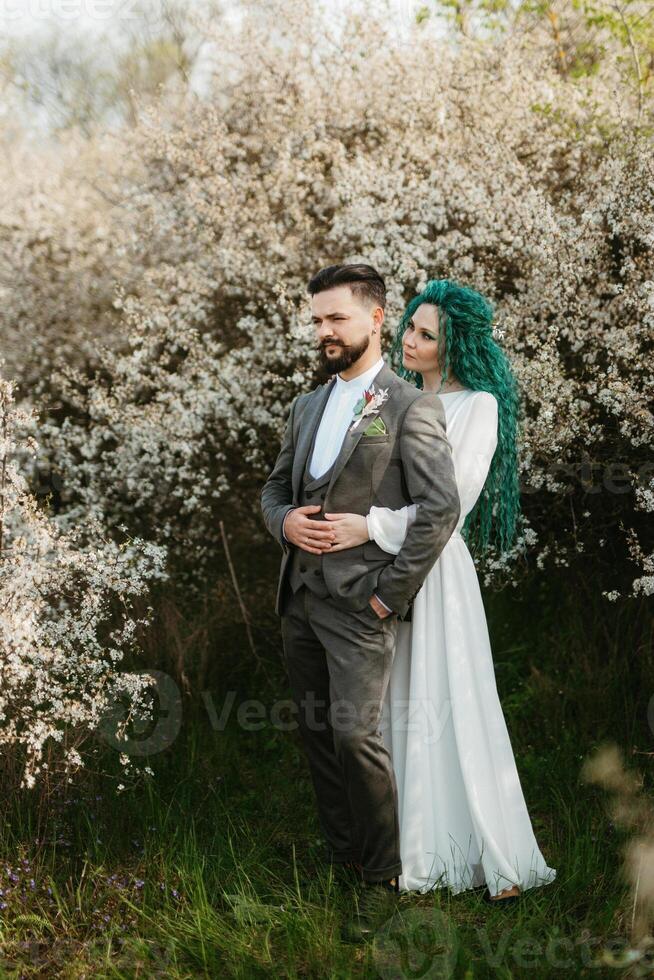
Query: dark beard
{"x": 347, "y": 357}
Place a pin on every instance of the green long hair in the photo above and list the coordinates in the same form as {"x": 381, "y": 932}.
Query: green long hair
{"x": 466, "y": 347}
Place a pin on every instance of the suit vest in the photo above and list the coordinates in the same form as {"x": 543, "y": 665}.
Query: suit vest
{"x": 305, "y": 568}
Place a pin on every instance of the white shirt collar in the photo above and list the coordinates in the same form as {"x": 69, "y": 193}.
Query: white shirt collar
{"x": 362, "y": 381}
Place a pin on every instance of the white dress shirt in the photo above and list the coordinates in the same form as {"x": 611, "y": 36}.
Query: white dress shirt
{"x": 336, "y": 420}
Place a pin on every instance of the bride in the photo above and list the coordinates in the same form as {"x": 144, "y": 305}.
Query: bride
{"x": 462, "y": 813}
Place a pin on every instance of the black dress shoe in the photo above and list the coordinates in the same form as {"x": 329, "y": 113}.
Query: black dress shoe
{"x": 375, "y": 905}
{"x": 349, "y": 874}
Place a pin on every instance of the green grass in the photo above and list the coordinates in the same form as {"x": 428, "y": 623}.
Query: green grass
{"x": 214, "y": 867}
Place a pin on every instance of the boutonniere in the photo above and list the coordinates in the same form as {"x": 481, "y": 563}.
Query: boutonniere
{"x": 370, "y": 402}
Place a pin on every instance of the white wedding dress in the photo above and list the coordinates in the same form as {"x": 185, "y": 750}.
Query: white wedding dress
{"x": 462, "y": 814}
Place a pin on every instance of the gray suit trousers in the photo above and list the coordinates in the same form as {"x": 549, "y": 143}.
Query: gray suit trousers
{"x": 338, "y": 662}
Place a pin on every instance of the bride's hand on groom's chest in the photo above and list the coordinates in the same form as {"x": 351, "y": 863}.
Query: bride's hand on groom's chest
{"x": 350, "y": 530}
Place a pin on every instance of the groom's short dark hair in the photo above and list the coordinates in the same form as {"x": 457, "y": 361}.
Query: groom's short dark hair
{"x": 364, "y": 281}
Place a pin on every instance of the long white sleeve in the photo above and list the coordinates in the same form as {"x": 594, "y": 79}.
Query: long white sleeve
{"x": 473, "y": 441}
{"x": 388, "y": 527}
{"x": 474, "y": 448}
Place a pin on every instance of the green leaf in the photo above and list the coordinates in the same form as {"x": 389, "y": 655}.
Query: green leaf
{"x": 376, "y": 428}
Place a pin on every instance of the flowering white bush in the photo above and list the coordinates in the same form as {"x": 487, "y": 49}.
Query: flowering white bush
{"x": 64, "y": 243}
{"x": 66, "y": 617}
{"x": 484, "y": 162}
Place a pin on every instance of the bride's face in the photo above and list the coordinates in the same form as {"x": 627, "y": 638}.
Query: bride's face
{"x": 420, "y": 340}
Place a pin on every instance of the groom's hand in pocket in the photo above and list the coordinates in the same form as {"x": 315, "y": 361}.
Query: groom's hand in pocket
{"x": 313, "y": 536}
{"x": 379, "y": 607}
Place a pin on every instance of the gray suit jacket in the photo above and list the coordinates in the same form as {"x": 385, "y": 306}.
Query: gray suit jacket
{"x": 410, "y": 463}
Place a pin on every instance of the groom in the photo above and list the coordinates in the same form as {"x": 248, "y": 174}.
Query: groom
{"x": 342, "y": 452}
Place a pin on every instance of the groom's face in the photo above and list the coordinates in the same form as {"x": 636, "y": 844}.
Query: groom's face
{"x": 344, "y": 326}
